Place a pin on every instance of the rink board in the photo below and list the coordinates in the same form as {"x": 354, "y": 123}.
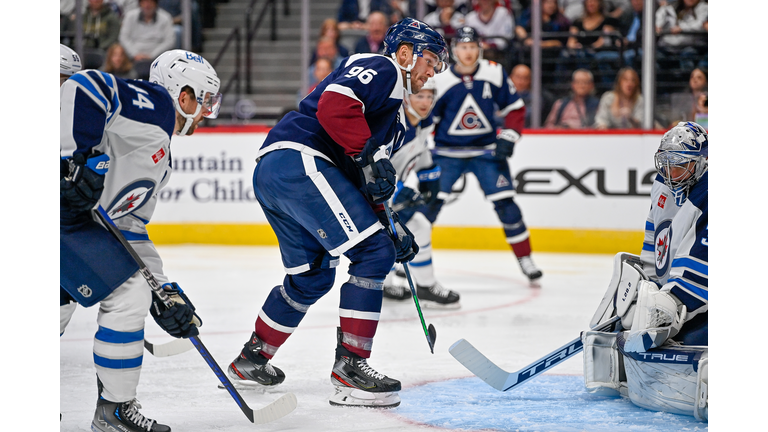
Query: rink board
{"x": 579, "y": 192}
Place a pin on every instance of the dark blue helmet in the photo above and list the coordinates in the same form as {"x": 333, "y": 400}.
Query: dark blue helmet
{"x": 422, "y": 36}
{"x": 466, "y": 34}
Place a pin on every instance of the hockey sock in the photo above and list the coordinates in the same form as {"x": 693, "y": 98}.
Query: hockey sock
{"x": 522, "y": 248}
{"x": 359, "y": 310}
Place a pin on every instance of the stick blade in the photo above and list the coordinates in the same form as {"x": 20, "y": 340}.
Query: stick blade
{"x": 278, "y": 409}
{"x": 432, "y": 337}
{"x": 177, "y": 346}
{"x": 478, "y": 364}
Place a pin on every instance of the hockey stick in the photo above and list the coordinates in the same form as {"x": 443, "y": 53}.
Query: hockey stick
{"x": 502, "y": 380}
{"x": 430, "y": 331}
{"x": 277, "y": 409}
{"x": 172, "y": 348}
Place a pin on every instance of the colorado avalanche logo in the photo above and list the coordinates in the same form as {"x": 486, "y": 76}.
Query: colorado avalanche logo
{"x": 661, "y": 243}
{"x": 470, "y": 120}
{"x": 131, "y": 198}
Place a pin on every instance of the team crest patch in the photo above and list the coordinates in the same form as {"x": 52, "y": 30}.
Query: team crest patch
{"x": 470, "y": 120}
{"x": 662, "y": 201}
{"x": 131, "y": 198}
{"x": 85, "y": 290}
{"x": 502, "y": 181}
{"x": 661, "y": 243}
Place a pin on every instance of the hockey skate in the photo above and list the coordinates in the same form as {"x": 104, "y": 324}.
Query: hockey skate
{"x": 252, "y": 370}
{"x": 357, "y": 384}
{"x": 436, "y": 296}
{"x": 396, "y": 290}
{"x": 530, "y": 270}
{"x": 123, "y": 417}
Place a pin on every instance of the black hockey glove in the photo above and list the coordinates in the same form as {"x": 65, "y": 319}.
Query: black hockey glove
{"x": 405, "y": 243}
{"x": 407, "y": 198}
{"x": 429, "y": 184}
{"x": 505, "y": 143}
{"x": 82, "y": 186}
{"x": 180, "y": 320}
{"x": 378, "y": 174}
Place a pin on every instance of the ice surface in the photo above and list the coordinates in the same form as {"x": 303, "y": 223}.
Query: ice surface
{"x": 501, "y": 315}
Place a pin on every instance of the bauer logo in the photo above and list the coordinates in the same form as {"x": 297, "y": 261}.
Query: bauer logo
{"x": 131, "y": 198}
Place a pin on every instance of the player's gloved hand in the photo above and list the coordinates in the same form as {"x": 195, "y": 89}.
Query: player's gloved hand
{"x": 82, "y": 186}
{"x": 429, "y": 183}
{"x": 505, "y": 143}
{"x": 378, "y": 172}
{"x": 180, "y": 320}
{"x": 405, "y": 243}
{"x": 406, "y": 198}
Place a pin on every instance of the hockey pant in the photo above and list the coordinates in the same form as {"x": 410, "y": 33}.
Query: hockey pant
{"x": 317, "y": 214}
{"x": 495, "y": 180}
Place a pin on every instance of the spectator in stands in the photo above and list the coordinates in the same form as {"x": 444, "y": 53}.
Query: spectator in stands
{"x": 446, "y": 18}
{"x": 685, "y": 16}
{"x": 622, "y": 107}
{"x": 101, "y": 25}
{"x": 353, "y": 14}
{"x": 687, "y": 104}
{"x": 578, "y": 110}
{"x": 118, "y": 64}
{"x": 551, "y": 21}
{"x": 125, "y": 6}
{"x": 326, "y": 48}
{"x": 173, "y": 7}
{"x": 373, "y": 42}
{"x": 601, "y": 48}
{"x": 521, "y": 78}
{"x": 330, "y": 29}
{"x": 633, "y": 34}
{"x": 494, "y": 23}
{"x": 146, "y": 33}
{"x": 320, "y": 69}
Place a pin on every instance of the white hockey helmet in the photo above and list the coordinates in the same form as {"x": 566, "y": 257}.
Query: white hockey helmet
{"x": 177, "y": 69}
{"x": 69, "y": 61}
{"x": 684, "y": 146}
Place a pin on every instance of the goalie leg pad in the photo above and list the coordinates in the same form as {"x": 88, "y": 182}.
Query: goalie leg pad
{"x": 347, "y": 396}
{"x": 665, "y": 379}
{"x": 620, "y": 297}
{"x": 701, "y": 407}
{"x": 603, "y": 364}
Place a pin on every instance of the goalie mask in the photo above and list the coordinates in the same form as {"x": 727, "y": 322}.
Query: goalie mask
{"x": 177, "y": 69}
{"x": 682, "y": 158}
{"x": 422, "y": 37}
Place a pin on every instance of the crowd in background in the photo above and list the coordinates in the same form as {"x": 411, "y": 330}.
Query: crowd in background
{"x": 591, "y": 49}
{"x": 591, "y": 52}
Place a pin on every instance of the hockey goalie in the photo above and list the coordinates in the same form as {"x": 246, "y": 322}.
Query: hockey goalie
{"x": 659, "y": 360}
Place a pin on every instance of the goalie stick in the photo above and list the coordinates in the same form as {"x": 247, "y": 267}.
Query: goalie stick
{"x": 430, "y": 331}
{"x": 502, "y": 380}
{"x": 275, "y": 410}
{"x": 172, "y": 348}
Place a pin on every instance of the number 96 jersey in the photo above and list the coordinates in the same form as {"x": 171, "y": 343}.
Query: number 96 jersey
{"x": 131, "y": 121}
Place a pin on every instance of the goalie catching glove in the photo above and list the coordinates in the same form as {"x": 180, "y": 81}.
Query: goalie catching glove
{"x": 378, "y": 174}
{"x": 405, "y": 244}
{"x": 180, "y": 320}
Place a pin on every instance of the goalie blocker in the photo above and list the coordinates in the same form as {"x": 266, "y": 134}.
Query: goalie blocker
{"x": 671, "y": 378}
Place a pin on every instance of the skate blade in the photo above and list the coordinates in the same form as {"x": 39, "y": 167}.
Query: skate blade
{"x": 434, "y": 305}
{"x": 249, "y": 385}
{"x": 352, "y": 397}
{"x": 534, "y": 283}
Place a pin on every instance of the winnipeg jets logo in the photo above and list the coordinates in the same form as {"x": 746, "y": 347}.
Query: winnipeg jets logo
{"x": 470, "y": 119}
{"x": 662, "y": 241}
{"x": 131, "y": 198}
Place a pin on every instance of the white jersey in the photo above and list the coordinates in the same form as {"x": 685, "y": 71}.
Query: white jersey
{"x": 676, "y": 249}
{"x": 131, "y": 121}
{"x": 414, "y": 154}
